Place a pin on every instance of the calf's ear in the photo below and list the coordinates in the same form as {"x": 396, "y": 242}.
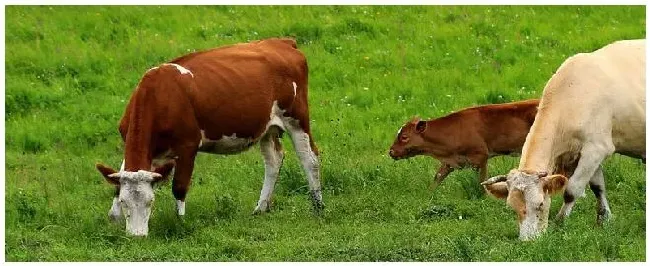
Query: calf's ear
{"x": 163, "y": 171}
{"x": 108, "y": 173}
{"x": 554, "y": 183}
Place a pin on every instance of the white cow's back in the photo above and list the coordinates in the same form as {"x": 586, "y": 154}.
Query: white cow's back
{"x": 593, "y": 97}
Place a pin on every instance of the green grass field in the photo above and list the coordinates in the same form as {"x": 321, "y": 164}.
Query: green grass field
{"x": 70, "y": 72}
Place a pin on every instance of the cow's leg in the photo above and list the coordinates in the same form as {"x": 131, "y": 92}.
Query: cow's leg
{"x": 307, "y": 152}
{"x": 183, "y": 176}
{"x": 115, "y": 213}
{"x": 590, "y": 159}
{"x": 273, "y": 154}
{"x": 597, "y": 185}
{"x": 442, "y": 173}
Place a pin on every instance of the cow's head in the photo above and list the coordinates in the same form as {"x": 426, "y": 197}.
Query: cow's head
{"x": 136, "y": 194}
{"x": 409, "y": 140}
{"x": 529, "y": 195}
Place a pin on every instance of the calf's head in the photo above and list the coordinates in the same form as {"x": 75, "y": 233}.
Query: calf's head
{"x": 136, "y": 194}
{"x": 529, "y": 195}
{"x": 409, "y": 140}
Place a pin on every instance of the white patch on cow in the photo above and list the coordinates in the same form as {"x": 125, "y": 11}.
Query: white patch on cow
{"x": 153, "y": 68}
{"x": 181, "y": 69}
{"x": 399, "y": 131}
{"x": 275, "y": 117}
{"x": 294, "y": 88}
{"x": 180, "y": 207}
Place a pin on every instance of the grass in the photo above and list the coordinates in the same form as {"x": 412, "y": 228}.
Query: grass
{"x": 71, "y": 69}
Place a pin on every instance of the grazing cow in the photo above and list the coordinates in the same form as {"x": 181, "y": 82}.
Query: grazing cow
{"x": 467, "y": 137}
{"x": 219, "y": 101}
{"x": 593, "y": 106}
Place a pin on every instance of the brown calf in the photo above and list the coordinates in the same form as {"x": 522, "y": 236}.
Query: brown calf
{"x": 219, "y": 101}
{"x": 467, "y": 137}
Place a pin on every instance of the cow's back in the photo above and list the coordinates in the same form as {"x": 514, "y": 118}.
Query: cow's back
{"x": 505, "y": 126}
{"x": 598, "y": 94}
{"x": 237, "y": 85}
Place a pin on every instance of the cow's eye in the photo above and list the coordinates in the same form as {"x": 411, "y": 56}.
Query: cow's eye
{"x": 404, "y": 138}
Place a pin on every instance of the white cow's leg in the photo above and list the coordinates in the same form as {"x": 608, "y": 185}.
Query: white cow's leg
{"x": 180, "y": 207}
{"x": 310, "y": 163}
{"x": 273, "y": 154}
{"x": 590, "y": 159}
{"x": 597, "y": 185}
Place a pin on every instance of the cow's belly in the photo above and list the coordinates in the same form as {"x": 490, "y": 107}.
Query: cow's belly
{"x": 232, "y": 144}
{"x": 226, "y": 144}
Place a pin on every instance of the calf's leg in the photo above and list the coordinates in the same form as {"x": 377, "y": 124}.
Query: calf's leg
{"x": 273, "y": 155}
{"x": 442, "y": 173}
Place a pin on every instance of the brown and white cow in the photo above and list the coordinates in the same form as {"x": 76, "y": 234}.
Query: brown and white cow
{"x": 593, "y": 106}
{"x": 219, "y": 101}
{"x": 467, "y": 137}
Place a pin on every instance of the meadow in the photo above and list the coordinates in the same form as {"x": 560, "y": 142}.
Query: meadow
{"x": 69, "y": 71}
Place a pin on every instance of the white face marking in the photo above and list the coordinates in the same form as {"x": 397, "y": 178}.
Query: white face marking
{"x": 181, "y": 69}
{"x": 136, "y": 198}
{"x": 180, "y": 207}
{"x": 294, "y": 88}
{"x": 537, "y": 203}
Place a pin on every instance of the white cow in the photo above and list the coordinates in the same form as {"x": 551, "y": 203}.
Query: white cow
{"x": 593, "y": 106}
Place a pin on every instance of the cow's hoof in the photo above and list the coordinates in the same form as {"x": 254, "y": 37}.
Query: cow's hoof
{"x": 262, "y": 207}
{"x": 603, "y": 218}
{"x": 318, "y": 207}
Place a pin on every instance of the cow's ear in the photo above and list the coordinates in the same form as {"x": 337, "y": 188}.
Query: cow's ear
{"x": 498, "y": 190}
{"x": 497, "y": 186}
{"x": 421, "y": 126}
{"x": 163, "y": 171}
{"x": 109, "y": 174}
{"x": 554, "y": 183}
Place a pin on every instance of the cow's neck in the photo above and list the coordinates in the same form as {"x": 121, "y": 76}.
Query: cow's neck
{"x": 436, "y": 143}
{"x": 537, "y": 153}
{"x": 138, "y": 148}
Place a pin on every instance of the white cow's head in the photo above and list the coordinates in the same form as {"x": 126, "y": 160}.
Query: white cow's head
{"x": 529, "y": 195}
{"x": 136, "y": 194}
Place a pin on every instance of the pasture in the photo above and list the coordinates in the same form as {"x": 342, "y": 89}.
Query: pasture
{"x": 69, "y": 72}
